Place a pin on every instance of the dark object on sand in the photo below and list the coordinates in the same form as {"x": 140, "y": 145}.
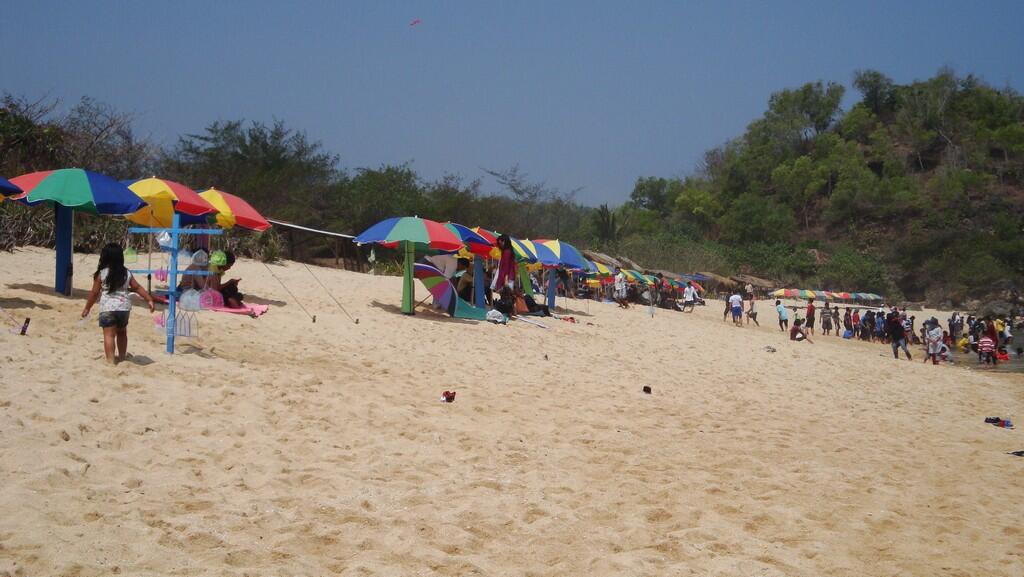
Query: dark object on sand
{"x": 647, "y": 389}
{"x": 448, "y": 397}
{"x": 999, "y": 422}
{"x": 24, "y": 327}
{"x": 1017, "y": 453}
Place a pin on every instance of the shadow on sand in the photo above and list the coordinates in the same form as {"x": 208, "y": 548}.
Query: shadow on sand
{"x": 47, "y": 290}
{"x": 12, "y": 303}
{"x": 423, "y": 312}
{"x": 139, "y": 360}
{"x": 190, "y": 349}
{"x": 254, "y": 300}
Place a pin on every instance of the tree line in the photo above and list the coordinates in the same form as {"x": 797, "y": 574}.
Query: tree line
{"x": 916, "y": 191}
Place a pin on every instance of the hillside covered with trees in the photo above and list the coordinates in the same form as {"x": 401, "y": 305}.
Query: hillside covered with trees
{"x": 916, "y": 191}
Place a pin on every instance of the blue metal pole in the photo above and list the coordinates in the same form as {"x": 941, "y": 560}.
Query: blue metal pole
{"x": 65, "y": 231}
{"x": 552, "y": 287}
{"x": 172, "y": 279}
{"x": 478, "y": 281}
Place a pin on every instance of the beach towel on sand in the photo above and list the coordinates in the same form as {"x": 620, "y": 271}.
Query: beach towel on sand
{"x": 247, "y": 309}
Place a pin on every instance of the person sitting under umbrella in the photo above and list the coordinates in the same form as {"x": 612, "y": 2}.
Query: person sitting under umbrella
{"x": 229, "y": 289}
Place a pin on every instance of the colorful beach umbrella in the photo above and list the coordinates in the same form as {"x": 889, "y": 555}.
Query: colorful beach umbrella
{"x": 637, "y": 276}
{"x": 78, "y": 189}
{"x": 438, "y": 286}
{"x": 566, "y": 255}
{"x": 164, "y": 198}
{"x": 597, "y": 269}
{"x": 474, "y": 241}
{"x": 8, "y": 188}
{"x": 524, "y": 250}
{"x": 417, "y": 231}
{"x": 540, "y": 253}
{"x": 233, "y": 211}
{"x": 492, "y": 239}
{"x": 444, "y": 294}
{"x": 409, "y": 232}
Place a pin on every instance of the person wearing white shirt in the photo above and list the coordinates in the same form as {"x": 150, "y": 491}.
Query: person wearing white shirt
{"x": 689, "y": 297}
{"x": 736, "y": 306}
{"x": 620, "y": 289}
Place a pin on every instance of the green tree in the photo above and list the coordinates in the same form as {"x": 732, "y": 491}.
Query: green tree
{"x": 655, "y": 194}
{"x": 753, "y": 218}
{"x": 877, "y": 90}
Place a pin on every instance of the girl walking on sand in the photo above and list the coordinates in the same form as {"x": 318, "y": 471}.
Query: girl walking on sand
{"x": 111, "y": 284}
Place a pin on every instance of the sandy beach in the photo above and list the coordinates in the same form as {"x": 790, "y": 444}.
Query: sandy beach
{"x": 280, "y": 446}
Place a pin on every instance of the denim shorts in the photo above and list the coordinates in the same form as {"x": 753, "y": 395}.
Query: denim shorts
{"x": 117, "y": 319}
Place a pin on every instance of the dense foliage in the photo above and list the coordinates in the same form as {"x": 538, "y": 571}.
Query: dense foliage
{"x": 916, "y": 191}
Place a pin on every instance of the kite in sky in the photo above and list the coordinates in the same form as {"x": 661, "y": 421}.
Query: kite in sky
{"x": 415, "y": 22}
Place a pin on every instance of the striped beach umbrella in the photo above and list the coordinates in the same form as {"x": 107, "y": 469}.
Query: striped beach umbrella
{"x": 8, "y": 188}
{"x": 411, "y": 229}
{"x": 597, "y": 269}
{"x": 164, "y": 198}
{"x": 566, "y": 255}
{"x": 409, "y": 232}
{"x": 233, "y": 211}
{"x": 523, "y": 250}
{"x": 78, "y": 189}
{"x": 637, "y": 276}
{"x": 473, "y": 240}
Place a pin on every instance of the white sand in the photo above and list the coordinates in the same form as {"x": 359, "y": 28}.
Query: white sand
{"x": 282, "y": 447}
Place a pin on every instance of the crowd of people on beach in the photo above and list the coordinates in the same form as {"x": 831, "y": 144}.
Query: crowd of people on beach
{"x": 988, "y": 337}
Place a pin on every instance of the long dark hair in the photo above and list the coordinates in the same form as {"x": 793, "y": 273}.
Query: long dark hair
{"x": 112, "y": 259}
{"x": 503, "y": 242}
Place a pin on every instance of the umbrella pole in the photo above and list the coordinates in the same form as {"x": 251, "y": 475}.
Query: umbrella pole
{"x": 552, "y": 288}
{"x": 408, "y": 289}
{"x": 65, "y": 227}
{"x": 149, "y": 275}
{"x": 478, "y": 281}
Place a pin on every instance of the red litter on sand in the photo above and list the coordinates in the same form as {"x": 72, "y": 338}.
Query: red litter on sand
{"x": 448, "y": 397}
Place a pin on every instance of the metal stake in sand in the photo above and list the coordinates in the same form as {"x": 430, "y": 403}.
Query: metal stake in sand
{"x": 328, "y": 291}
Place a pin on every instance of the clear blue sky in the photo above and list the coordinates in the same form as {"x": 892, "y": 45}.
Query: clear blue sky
{"x": 580, "y": 94}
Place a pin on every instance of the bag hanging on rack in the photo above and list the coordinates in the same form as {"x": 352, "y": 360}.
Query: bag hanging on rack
{"x": 190, "y": 300}
{"x": 210, "y": 299}
{"x": 186, "y": 325}
{"x": 164, "y": 240}
{"x": 219, "y": 258}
